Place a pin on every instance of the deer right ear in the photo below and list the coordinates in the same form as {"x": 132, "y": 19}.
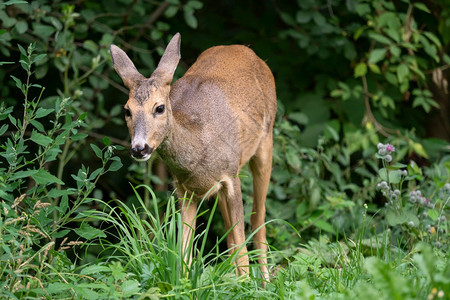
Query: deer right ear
{"x": 125, "y": 67}
{"x": 169, "y": 61}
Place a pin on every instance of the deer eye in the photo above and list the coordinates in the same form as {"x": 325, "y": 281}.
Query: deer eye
{"x": 160, "y": 109}
{"x": 127, "y": 112}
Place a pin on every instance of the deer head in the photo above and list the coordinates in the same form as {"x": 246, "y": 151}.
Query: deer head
{"x": 148, "y": 110}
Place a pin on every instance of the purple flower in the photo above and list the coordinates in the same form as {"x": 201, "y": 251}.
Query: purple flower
{"x": 390, "y": 148}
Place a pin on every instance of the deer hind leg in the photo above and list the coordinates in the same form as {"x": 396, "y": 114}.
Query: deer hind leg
{"x": 188, "y": 217}
{"x": 261, "y": 167}
{"x": 232, "y": 209}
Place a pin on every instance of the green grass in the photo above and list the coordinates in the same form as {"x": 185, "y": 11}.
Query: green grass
{"x": 143, "y": 260}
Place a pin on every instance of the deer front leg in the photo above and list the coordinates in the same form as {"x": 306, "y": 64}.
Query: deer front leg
{"x": 188, "y": 218}
{"x": 232, "y": 209}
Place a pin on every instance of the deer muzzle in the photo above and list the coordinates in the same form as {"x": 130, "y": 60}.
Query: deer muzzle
{"x": 141, "y": 152}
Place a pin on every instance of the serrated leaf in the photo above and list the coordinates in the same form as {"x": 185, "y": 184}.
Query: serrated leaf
{"x": 40, "y": 139}
{"x": 88, "y": 232}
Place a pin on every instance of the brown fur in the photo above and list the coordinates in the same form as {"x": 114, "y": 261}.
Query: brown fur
{"x": 217, "y": 117}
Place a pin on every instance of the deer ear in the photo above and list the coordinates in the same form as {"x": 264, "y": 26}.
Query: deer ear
{"x": 169, "y": 61}
{"x": 125, "y": 67}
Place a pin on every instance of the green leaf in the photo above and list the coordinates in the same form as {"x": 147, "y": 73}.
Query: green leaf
{"x": 421, "y": 7}
{"x": 401, "y": 217}
{"x": 293, "y": 159}
{"x": 95, "y": 269}
{"x": 130, "y": 288}
{"x": 395, "y": 176}
{"x": 61, "y": 233}
{"x": 433, "y": 214}
{"x": 22, "y": 174}
{"x": 42, "y": 112}
{"x": 402, "y": 72}
{"x": 374, "y": 68}
{"x": 115, "y": 165}
{"x": 380, "y": 38}
{"x": 40, "y": 139}
{"x": 189, "y": 17}
{"x": 11, "y": 2}
{"x": 21, "y": 27}
{"x": 303, "y": 17}
{"x": 360, "y": 70}
{"x": 38, "y": 125}
{"x": 88, "y": 232}
{"x": 395, "y": 51}
{"x": 325, "y": 226}
{"x": 44, "y": 177}
{"x": 43, "y": 31}
{"x": 97, "y": 151}
{"x": 91, "y": 46}
{"x": 377, "y": 55}
{"x": 3, "y": 129}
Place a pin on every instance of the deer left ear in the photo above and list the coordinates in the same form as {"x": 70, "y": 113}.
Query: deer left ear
{"x": 125, "y": 67}
{"x": 169, "y": 61}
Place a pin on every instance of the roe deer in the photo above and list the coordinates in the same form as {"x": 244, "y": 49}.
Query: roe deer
{"x": 206, "y": 126}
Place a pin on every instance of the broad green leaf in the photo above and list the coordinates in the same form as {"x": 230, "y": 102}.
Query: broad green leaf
{"x": 38, "y": 125}
{"x": 402, "y": 72}
{"x": 88, "y": 232}
{"x": 377, "y": 55}
{"x": 395, "y": 176}
{"x": 42, "y": 112}
{"x": 95, "y": 269}
{"x": 303, "y": 17}
{"x": 395, "y": 51}
{"x": 21, "y": 27}
{"x": 40, "y": 139}
{"x": 91, "y": 46}
{"x": 11, "y": 2}
{"x": 402, "y": 217}
{"x": 380, "y": 38}
{"x": 44, "y": 177}
{"x": 433, "y": 214}
{"x": 115, "y": 165}
{"x": 374, "y": 68}
{"x": 360, "y": 70}
{"x": 97, "y": 151}
{"x": 324, "y": 225}
{"x": 22, "y": 174}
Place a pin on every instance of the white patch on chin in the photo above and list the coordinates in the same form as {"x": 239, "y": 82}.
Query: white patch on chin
{"x": 142, "y": 159}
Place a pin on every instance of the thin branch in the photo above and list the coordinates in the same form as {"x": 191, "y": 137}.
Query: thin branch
{"x": 369, "y": 115}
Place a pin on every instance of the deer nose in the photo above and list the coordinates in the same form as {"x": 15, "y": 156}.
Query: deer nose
{"x": 140, "y": 151}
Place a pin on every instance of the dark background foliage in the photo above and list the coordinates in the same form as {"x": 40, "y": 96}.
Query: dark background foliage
{"x": 348, "y": 73}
